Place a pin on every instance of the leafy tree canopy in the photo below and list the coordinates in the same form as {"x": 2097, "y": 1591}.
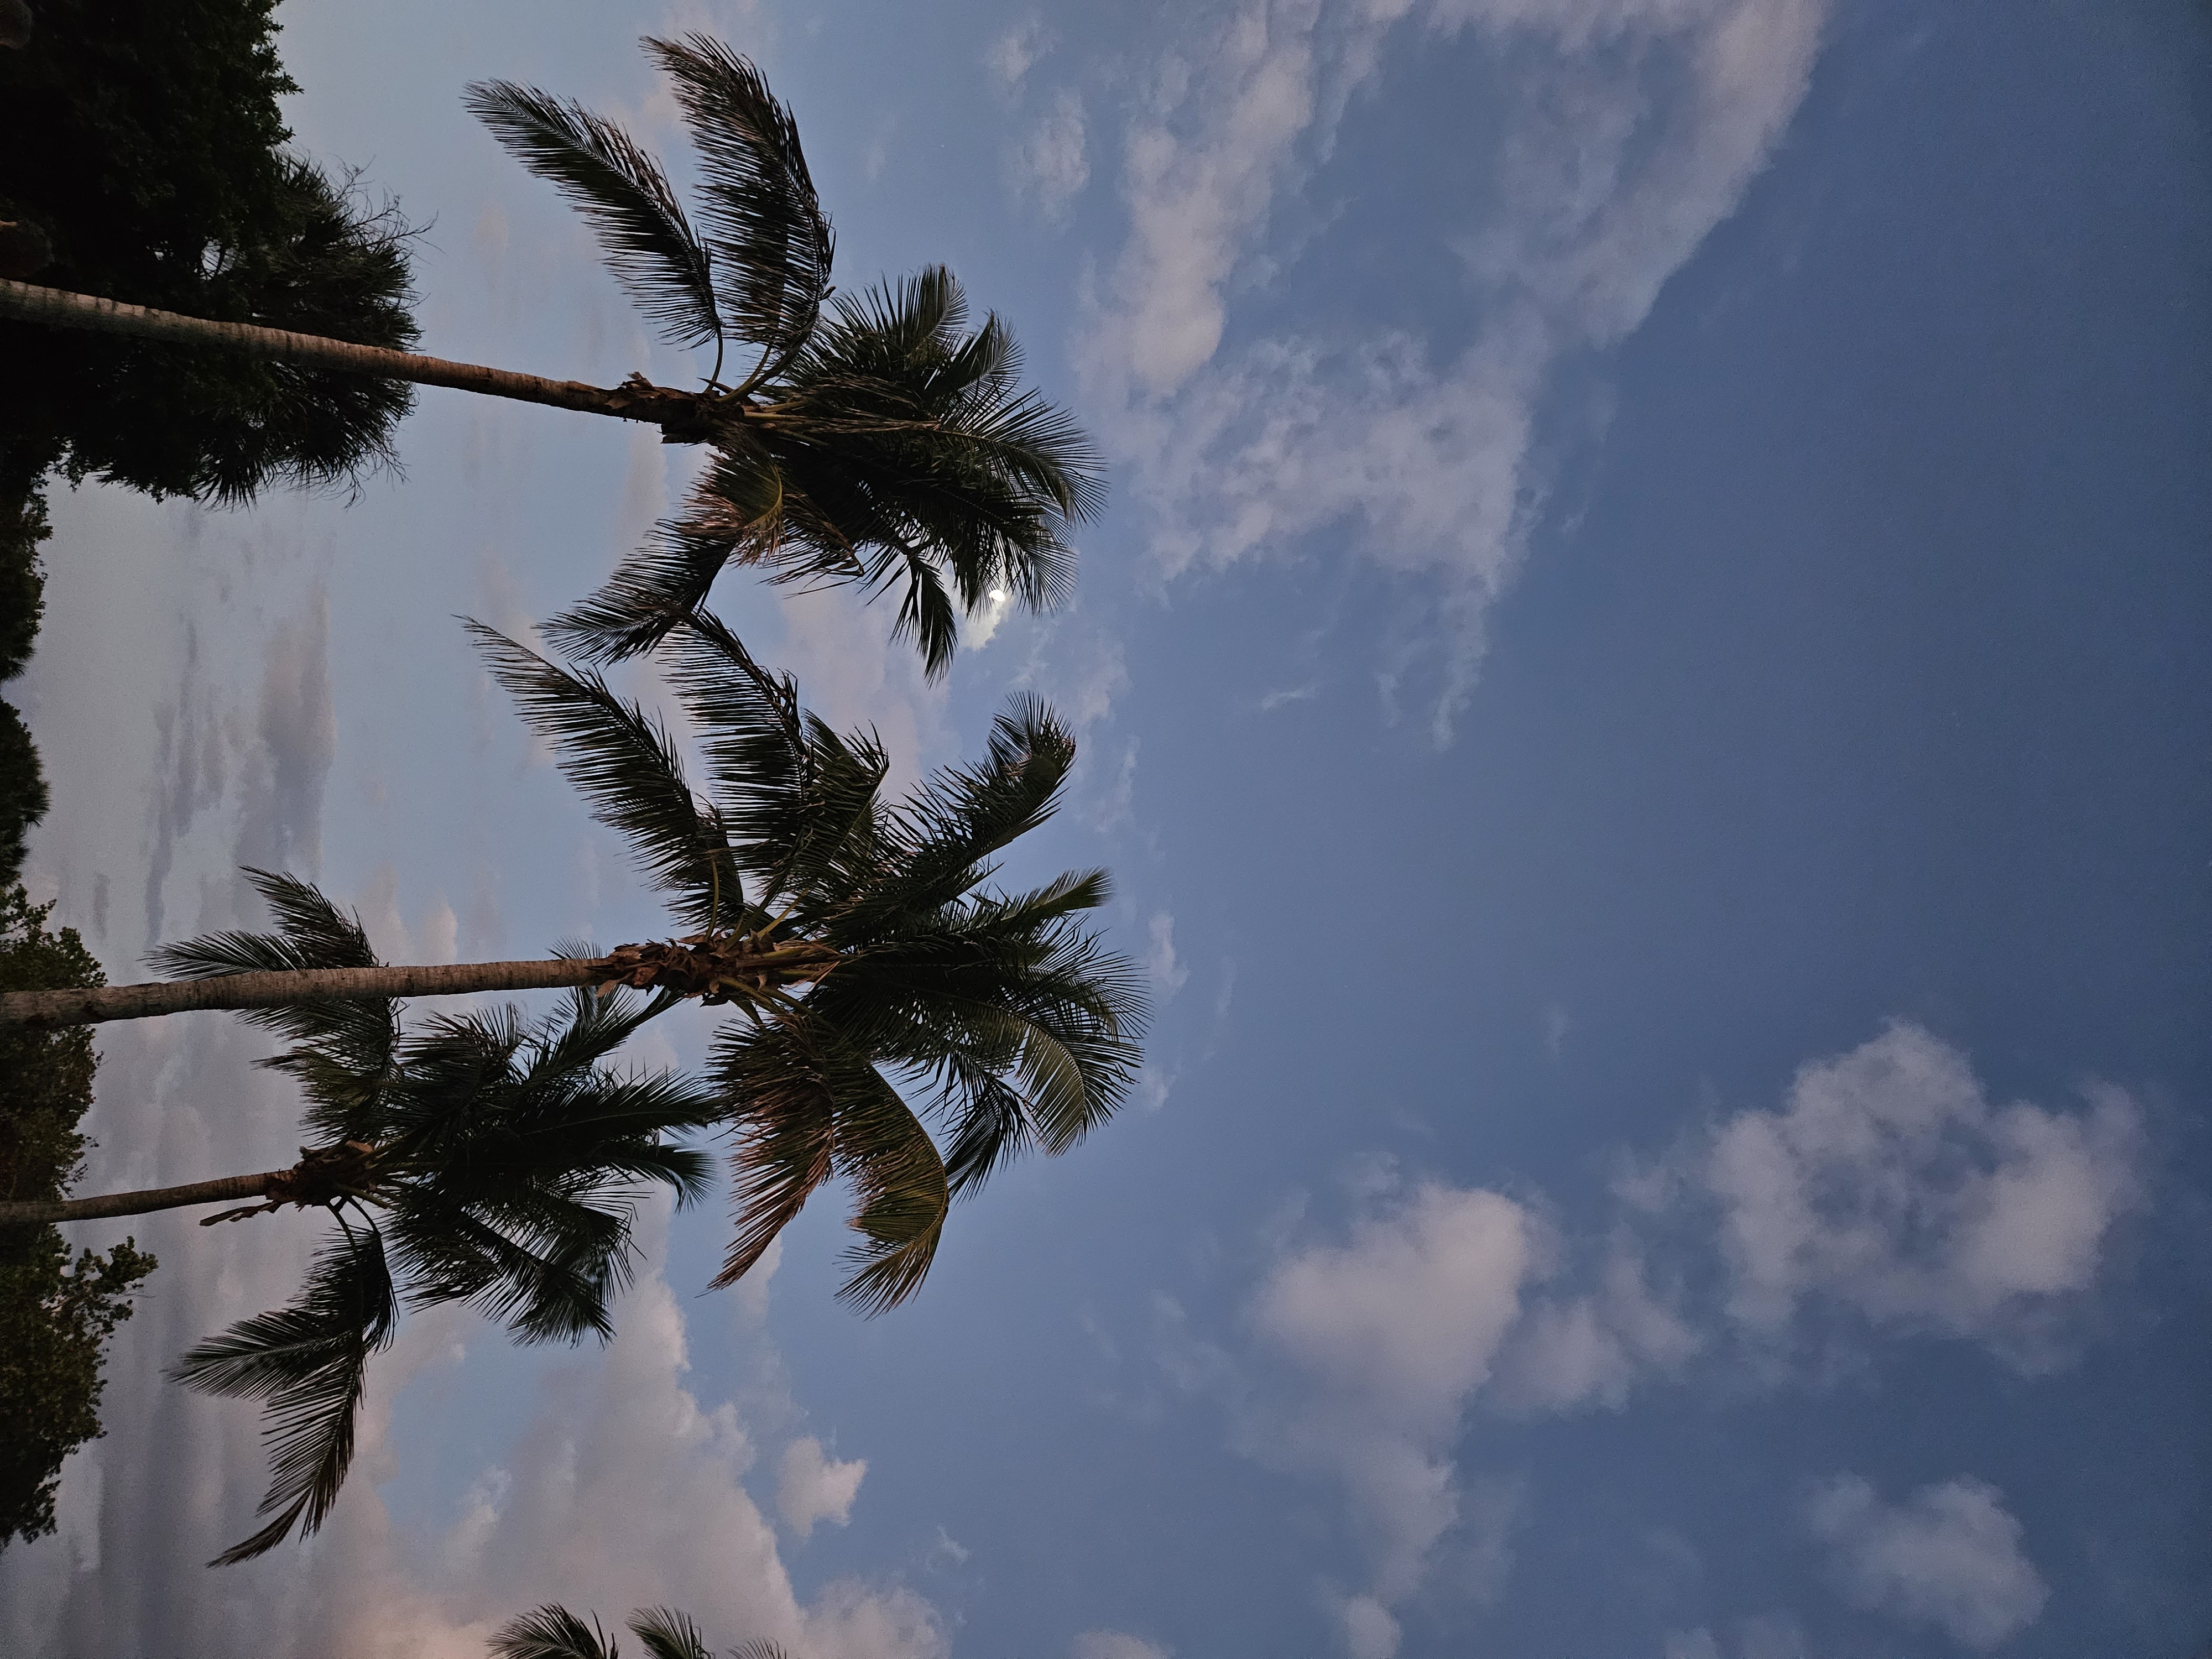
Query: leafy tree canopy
{"x": 55, "y": 1315}
{"x": 142, "y": 137}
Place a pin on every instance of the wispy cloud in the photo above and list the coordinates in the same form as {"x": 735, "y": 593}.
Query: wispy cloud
{"x": 1050, "y": 164}
{"x": 1948, "y": 1556}
{"x": 1430, "y": 459}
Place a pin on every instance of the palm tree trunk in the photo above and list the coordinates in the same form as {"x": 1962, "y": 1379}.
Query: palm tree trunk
{"x": 681, "y": 415}
{"x": 38, "y": 1211}
{"x": 91, "y": 1005}
{"x": 721, "y": 968}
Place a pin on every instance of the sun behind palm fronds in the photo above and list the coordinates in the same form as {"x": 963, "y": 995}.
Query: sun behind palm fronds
{"x": 876, "y": 439}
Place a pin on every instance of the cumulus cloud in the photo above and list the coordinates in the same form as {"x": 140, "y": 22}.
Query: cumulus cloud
{"x": 1887, "y": 1181}
{"x": 1392, "y": 1332}
{"x": 1051, "y": 164}
{"x": 1012, "y": 55}
{"x": 622, "y": 1489}
{"x": 1890, "y": 1183}
{"x": 1948, "y": 1556}
{"x": 1601, "y": 191}
{"x": 1115, "y": 1645}
{"x": 811, "y": 1488}
{"x": 1591, "y": 1348}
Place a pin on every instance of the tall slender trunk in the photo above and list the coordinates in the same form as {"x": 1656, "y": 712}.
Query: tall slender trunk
{"x": 719, "y": 968}
{"x": 37, "y": 1212}
{"x": 91, "y": 1005}
{"x": 682, "y": 417}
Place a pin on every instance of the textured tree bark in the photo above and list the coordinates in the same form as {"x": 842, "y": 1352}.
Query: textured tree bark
{"x": 717, "y": 971}
{"x": 682, "y": 416}
{"x": 230, "y": 1190}
{"x": 91, "y": 1005}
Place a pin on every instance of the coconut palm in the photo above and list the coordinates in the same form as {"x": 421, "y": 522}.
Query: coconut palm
{"x": 553, "y": 1632}
{"x": 880, "y": 983}
{"x": 875, "y": 439}
{"x": 483, "y": 1160}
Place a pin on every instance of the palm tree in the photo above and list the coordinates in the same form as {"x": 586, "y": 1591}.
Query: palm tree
{"x": 553, "y": 1632}
{"x": 484, "y": 1160}
{"x": 853, "y": 937}
{"x": 873, "y": 440}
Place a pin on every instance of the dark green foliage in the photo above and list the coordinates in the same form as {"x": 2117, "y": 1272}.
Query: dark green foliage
{"x": 143, "y": 137}
{"x": 308, "y": 1362}
{"x": 894, "y": 450}
{"x": 553, "y": 1632}
{"x": 1000, "y": 1013}
{"x": 23, "y": 591}
{"x": 55, "y": 1315}
{"x": 55, "y": 1318}
{"x": 506, "y": 1164}
{"x": 22, "y": 790}
{"x": 876, "y": 439}
{"x": 22, "y": 583}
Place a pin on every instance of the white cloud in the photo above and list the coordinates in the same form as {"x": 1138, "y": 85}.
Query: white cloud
{"x": 1012, "y": 56}
{"x": 1392, "y": 1332}
{"x": 1948, "y": 1556}
{"x": 811, "y": 1487}
{"x": 1289, "y": 694}
{"x": 1167, "y": 973}
{"x": 1889, "y": 1182}
{"x": 1603, "y": 189}
{"x": 1115, "y": 1645}
{"x": 1592, "y": 1348}
{"x": 1051, "y": 164}
{"x": 620, "y": 1489}
{"x": 1886, "y": 1182}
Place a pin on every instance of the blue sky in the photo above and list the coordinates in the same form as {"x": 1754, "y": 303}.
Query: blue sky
{"x": 1644, "y": 685}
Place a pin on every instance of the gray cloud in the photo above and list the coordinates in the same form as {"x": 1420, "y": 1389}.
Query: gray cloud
{"x": 1947, "y": 1556}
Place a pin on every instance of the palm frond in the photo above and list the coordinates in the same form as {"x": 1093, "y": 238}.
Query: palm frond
{"x": 342, "y": 1046}
{"x": 552, "y": 1632}
{"x": 782, "y": 1091}
{"x": 623, "y": 196}
{"x": 625, "y": 765}
{"x": 899, "y": 1185}
{"x": 772, "y": 242}
{"x": 308, "y": 1363}
{"x": 668, "y": 1634}
{"x": 964, "y": 814}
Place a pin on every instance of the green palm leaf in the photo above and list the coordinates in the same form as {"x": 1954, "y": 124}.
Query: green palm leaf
{"x": 625, "y": 765}
{"x": 307, "y": 1362}
{"x": 668, "y": 1634}
{"x": 900, "y": 1195}
{"x": 623, "y": 196}
{"x": 344, "y": 1046}
{"x": 552, "y": 1632}
{"x": 772, "y": 243}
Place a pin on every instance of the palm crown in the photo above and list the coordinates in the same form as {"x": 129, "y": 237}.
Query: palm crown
{"x": 875, "y": 439}
{"x": 552, "y": 1631}
{"x": 859, "y": 942}
{"x": 484, "y": 1160}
